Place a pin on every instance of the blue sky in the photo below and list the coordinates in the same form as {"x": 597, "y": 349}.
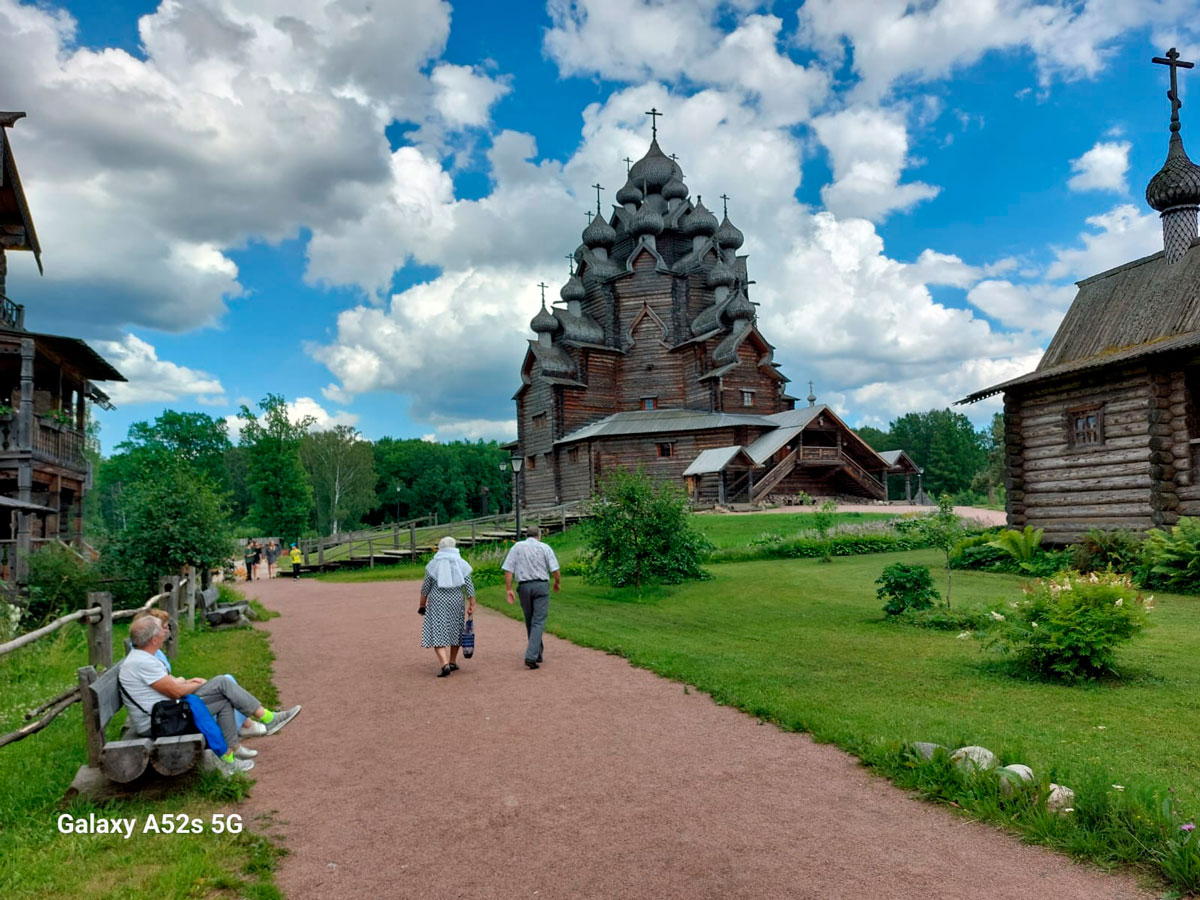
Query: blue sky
{"x": 353, "y": 208}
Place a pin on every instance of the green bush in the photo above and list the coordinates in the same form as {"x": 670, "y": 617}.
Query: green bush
{"x": 1171, "y": 559}
{"x": 904, "y": 587}
{"x": 1022, "y": 546}
{"x": 976, "y": 551}
{"x": 963, "y": 619}
{"x": 1103, "y": 550}
{"x": 1068, "y": 627}
{"x": 640, "y": 532}
{"x": 838, "y": 544}
{"x": 59, "y": 581}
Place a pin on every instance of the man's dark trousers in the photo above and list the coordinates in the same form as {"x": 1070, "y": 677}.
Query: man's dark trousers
{"x": 535, "y": 604}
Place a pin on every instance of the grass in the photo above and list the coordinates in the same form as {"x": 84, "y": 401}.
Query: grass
{"x": 725, "y": 530}
{"x": 40, "y": 862}
{"x": 804, "y": 644}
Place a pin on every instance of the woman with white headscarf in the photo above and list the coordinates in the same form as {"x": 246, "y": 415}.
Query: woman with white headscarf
{"x": 447, "y": 588}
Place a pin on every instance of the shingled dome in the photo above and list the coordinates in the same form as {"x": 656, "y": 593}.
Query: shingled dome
{"x": 728, "y": 235}
{"x": 675, "y": 190}
{"x": 646, "y": 221}
{"x": 629, "y": 194}
{"x": 655, "y": 169}
{"x": 573, "y": 289}
{"x": 1177, "y": 183}
{"x": 544, "y": 322}
{"x": 720, "y": 275}
{"x": 698, "y": 223}
{"x": 740, "y": 308}
{"x": 599, "y": 233}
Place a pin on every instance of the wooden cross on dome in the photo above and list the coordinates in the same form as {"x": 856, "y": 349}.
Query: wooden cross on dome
{"x": 598, "y": 188}
{"x": 571, "y": 257}
{"x": 543, "y": 286}
{"x": 628, "y": 164}
{"x": 1174, "y": 62}
{"x": 725, "y": 205}
{"x": 653, "y": 113}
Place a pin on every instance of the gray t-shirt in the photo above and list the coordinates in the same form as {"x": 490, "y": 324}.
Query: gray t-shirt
{"x": 139, "y": 670}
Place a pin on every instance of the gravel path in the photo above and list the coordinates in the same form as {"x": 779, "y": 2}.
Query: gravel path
{"x": 585, "y": 779}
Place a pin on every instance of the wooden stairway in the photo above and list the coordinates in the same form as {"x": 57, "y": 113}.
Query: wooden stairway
{"x": 780, "y": 471}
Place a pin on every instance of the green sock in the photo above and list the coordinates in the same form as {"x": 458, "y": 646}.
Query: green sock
{"x": 229, "y": 757}
{"x": 267, "y": 716}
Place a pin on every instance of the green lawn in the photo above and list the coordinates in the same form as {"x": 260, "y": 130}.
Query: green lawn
{"x": 723, "y": 529}
{"x": 39, "y": 862}
{"x": 803, "y": 644}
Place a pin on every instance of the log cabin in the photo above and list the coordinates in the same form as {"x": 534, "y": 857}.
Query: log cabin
{"x": 654, "y": 360}
{"x": 1105, "y": 433}
{"x": 46, "y": 382}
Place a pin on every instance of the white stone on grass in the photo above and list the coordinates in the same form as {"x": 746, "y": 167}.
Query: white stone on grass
{"x": 1061, "y": 799}
{"x": 1011, "y": 775}
{"x": 974, "y": 758}
{"x": 926, "y": 750}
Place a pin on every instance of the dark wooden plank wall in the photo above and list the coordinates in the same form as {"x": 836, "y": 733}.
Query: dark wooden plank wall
{"x": 749, "y": 376}
{"x": 1066, "y": 490}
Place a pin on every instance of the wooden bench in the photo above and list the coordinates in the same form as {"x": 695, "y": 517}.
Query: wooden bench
{"x": 232, "y": 614}
{"x": 124, "y": 760}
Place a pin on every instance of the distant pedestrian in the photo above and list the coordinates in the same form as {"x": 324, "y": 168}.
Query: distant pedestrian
{"x": 531, "y": 563}
{"x": 258, "y": 555}
{"x": 447, "y": 588}
{"x": 249, "y": 556}
{"x": 272, "y": 558}
{"x": 297, "y": 558}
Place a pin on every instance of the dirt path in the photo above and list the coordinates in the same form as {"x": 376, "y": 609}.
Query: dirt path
{"x": 585, "y": 779}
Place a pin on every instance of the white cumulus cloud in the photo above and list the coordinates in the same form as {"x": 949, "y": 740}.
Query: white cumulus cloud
{"x": 1102, "y": 168}
{"x": 154, "y": 380}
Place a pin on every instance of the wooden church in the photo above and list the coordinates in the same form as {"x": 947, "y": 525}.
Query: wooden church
{"x": 654, "y": 359}
{"x": 1105, "y": 433}
{"x": 46, "y": 382}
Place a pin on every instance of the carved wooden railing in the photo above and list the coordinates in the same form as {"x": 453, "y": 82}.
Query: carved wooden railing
{"x": 832, "y": 454}
{"x": 58, "y": 444}
{"x": 11, "y": 314}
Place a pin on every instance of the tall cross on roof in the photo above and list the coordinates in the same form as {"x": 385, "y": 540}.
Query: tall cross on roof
{"x": 1174, "y": 62}
{"x": 543, "y": 286}
{"x": 725, "y": 205}
{"x": 674, "y": 158}
{"x": 598, "y": 188}
{"x": 628, "y": 164}
{"x": 571, "y": 257}
{"x": 589, "y": 215}
{"x": 653, "y": 113}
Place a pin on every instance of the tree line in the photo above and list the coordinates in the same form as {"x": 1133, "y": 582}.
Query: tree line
{"x": 958, "y": 459}
{"x": 283, "y": 479}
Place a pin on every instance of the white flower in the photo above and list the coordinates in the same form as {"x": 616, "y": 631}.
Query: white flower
{"x": 1069, "y": 809}
{"x": 963, "y": 635}
{"x": 1120, "y": 600}
{"x": 999, "y": 617}
{"x": 1118, "y": 787}
{"x": 1034, "y": 624}
{"x": 1101, "y": 727}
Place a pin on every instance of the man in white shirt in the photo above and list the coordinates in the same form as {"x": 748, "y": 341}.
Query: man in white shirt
{"x": 531, "y": 563}
{"x": 144, "y": 681}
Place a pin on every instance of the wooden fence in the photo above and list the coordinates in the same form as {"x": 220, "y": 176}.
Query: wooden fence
{"x": 177, "y": 597}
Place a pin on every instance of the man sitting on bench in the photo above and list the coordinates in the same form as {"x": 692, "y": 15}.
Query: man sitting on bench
{"x": 144, "y": 681}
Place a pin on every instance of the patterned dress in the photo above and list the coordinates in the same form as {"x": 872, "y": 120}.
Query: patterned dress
{"x": 445, "y": 611}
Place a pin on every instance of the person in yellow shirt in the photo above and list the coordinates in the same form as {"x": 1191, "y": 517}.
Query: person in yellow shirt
{"x": 296, "y": 559}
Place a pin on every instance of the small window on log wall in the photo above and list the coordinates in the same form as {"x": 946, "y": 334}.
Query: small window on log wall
{"x": 573, "y": 455}
{"x": 747, "y": 398}
{"x": 666, "y": 450}
{"x": 531, "y": 462}
{"x": 1085, "y": 427}
{"x": 539, "y": 421}
{"x": 649, "y": 403}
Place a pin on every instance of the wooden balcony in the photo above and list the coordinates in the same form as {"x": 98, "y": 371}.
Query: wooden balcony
{"x": 58, "y": 444}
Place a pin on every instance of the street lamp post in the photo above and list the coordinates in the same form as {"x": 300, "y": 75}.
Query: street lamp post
{"x": 920, "y": 488}
{"x": 517, "y": 462}
{"x": 398, "y": 486}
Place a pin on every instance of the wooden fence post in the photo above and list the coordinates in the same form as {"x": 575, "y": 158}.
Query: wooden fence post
{"x": 412, "y": 541}
{"x": 371, "y": 551}
{"x": 304, "y": 549}
{"x": 170, "y": 586}
{"x": 472, "y": 532}
{"x": 91, "y": 716}
{"x": 190, "y": 594}
{"x": 395, "y": 535}
{"x": 99, "y": 630}
{"x": 320, "y": 551}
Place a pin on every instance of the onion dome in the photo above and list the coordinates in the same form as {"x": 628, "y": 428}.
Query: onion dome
{"x": 543, "y": 322}
{"x": 655, "y": 169}
{"x": 599, "y": 233}
{"x": 728, "y": 235}
{"x": 675, "y": 190}
{"x": 739, "y": 308}
{"x": 1177, "y": 183}
{"x": 646, "y": 220}
{"x": 629, "y": 194}
{"x": 699, "y": 222}
{"x": 573, "y": 289}
{"x": 720, "y": 275}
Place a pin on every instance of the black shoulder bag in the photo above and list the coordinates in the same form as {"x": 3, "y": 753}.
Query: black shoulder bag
{"x": 168, "y": 718}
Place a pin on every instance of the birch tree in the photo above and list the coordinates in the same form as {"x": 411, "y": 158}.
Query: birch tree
{"x": 341, "y": 466}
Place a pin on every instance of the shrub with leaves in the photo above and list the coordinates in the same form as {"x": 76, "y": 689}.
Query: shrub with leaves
{"x": 1068, "y": 627}
{"x": 1171, "y": 558}
{"x": 641, "y": 532}
{"x": 1022, "y": 546}
{"x": 943, "y": 529}
{"x": 59, "y": 581}
{"x": 822, "y": 520}
{"x": 1107, "y": 550}
{"x": 904, "y": 587}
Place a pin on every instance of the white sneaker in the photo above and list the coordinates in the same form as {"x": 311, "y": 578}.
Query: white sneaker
{"x": 251, "y": 728}
{"x": 282, "y": 718}
{"x": 228, "y": 768}
{"x": 244, "y": 752}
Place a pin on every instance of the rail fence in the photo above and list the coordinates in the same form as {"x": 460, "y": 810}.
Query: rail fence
{"x": 178, "y": 597}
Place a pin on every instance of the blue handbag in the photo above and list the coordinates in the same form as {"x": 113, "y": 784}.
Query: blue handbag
{"x": 468, "y": 638}
{"x": 207, "y": 725}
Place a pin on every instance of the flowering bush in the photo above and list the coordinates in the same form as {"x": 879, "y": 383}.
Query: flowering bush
{"x": 1068, "y": 627}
